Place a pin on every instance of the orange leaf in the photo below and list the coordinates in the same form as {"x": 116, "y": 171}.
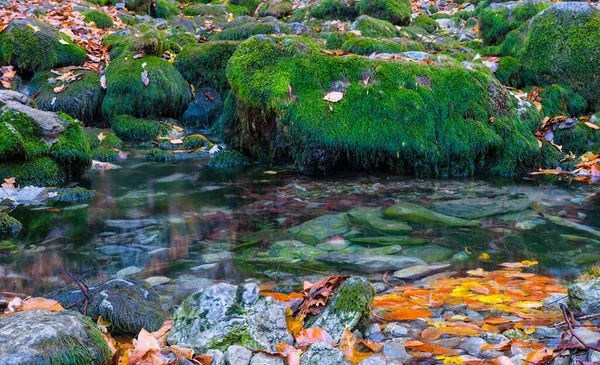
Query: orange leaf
{"x": 407, "y": 314}
{"x": 539, "y": 356}
{"x": 592, "y": 125}
{"x": 41, "y": 303}
{"x": 432, "y": 349}
{"x": 431, "y": 334}
{"x": 203, "y": 359}
{"x": 308, "y": 336}
{"x": 290, "y": 353}
{"x": 348, "y": 345}
{"x": 182, "y": 353}
{"x": 595, "y": 170}
{"x": 145, "y": 343}
{"x": 502, "y": 360}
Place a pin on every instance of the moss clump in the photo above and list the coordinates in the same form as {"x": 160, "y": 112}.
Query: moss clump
{"x": 73, "y": 195}
{"x": 367, "y": 46}
{"x": 204, "y": 64}
{"x": 246, "y": 31}
{"x": 250, "y": 5}
{"x": 228, "y": 158}
{"x": 129, "y": 128}
{"x": 181, "y": 39}
{"x": 277, "y": 8}
{"x": 400, "y": 114}
{"x": 142, "y": 6}
{"x": 194, "y": 141}
{"x": 371, "y": 27}
{"x": 105, "y": 154}
{"x": 82, "y": 99}
{"x": 512, "y": 72}
{"x": 165, "y": 9}
{"x": 167, "y": 93}
{"x": 9, "y": 227}
{"x": 579, "y": 140}
{"x": 560, "y": 100}
{"x": 101, "y": 19}
{"x": 333, "y": 10}
{"x": 109, "y": 139}
{"x": 496, "y": 22}
{"x": 396, "y": 12}
{"x": 150, "y": 43}
{"x": 158, "y": 155}
{"x": 40, "y": 171}
{"x": 426, "y": 22}
{"x": 70, "y": 350}
{"x": 21, "y": 137}
{"x": 336, "y": 40}
{"x": 30, "y": 50}
{"x": 72, "y": 151}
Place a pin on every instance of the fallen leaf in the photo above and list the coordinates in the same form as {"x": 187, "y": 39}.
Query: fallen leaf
{"x": 334, "y": 97}
{"x": 430, "y": 334}
{"x": 6, "y": 84}
{"x": 35, "y": 28}
{"x": 103, "y": 81}
{"x": 348, "y": 345}
{"x": 308, "y": 336}
{"x": 145, "y": 78}
{"x": 203, "y": 359}
{"x": 289, "y": 352}
{"x": 407, "y": 314}
{"x": 62, "y": 41}
{"x": 182, "y": 353}
{"x": 101, "y": 136}
{"x": 484, "y": 257}
{"x": 60, "y": 89}
{"x": 41, "y": 303}
{"x": 592, "y": 125}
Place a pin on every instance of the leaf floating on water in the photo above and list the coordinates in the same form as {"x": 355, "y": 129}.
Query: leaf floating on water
{"x": 334, "y": 97}
{"x": 145, "y": 78}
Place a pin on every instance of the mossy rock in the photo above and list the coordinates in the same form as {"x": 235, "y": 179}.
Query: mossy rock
{"x": 108, "y": 139}
{"x": 228, "y": 159}
{"x": 396, "y": 12}
{"x": 32, "y": 45}
{"x": 204, "y": 64}
{"x": 277, "y": 8}
{"x": 105, "y": 154}
{"x": 72, "y": 151}
{"x": 372, "y": 221}
{"x": 166, "y": 10}
{"x": 158, "y": 155}
{"x": 101, "y": 19}
{"x": 9, "y": 226}
{"x": 39, "y": 171}
{"x": 43, "y": 337}
{"x": 511, "y": 72}
{"x": 559, "y": 45}
{"x": 426, "y": 22}
{"x": 82, "y": 99}
{"x": 128, "y": 306}
{"x": 167, "y": 94}
{"x": 249, "y": 5}
{"x": 579, "y": 140}
{"x": 21, "y": 136}
{"x": 497, "y": 20}
{"x": 367, "y": 46}
{"x": 560, "y": 100}
{"x": 333, "y": 10}
{"x": 420, "y": 126}
{"x": 246, "y": 31}
{"x": 414, "y": 213}
{"x": 73, "y": 195}
{"x": 129, "y": 128}
{"x": 150, "y": 42}
{"x": 142, "y": 6}
{"x": 376, "y": 28}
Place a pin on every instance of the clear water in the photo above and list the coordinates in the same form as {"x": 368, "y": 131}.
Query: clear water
{"x": 203, "y": 215}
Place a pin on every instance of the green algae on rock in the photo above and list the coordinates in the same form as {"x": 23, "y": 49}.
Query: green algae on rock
{"x": 9, "y": 226}
{"x": 320, "y": 228}
{"x": 373, "y": 27}
{"x": 414, "y": 213}
{"x": 227, "y": 159}
{"x": 404, "y": 115}
{"x": 247, "y": 30}
{"x": 371, "y": 220}
{"x": 129, "y": 128}
{"x": 158, "y": 155}
{"x": 498, "y": 19}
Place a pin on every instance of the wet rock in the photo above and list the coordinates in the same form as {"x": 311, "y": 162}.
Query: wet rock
{"x": 45, "y": 337}
{"x": 238, "y": 355}
{"x": 395, "y": 348}
{"x": 157, "y": 280}
{"x": 482, "y": 207}
{"x": 472, "y": 344}
{"x": 204, "y": 109}
{"x": 127, "y": 305}
{"x": 394, "y": 330}
{"x": 266, "y": 359}
{"x": 547, "y": 332}
{"x": 128, "y": 271}
{"x": 416, "y": 55}
{"x": 371, "y": 263}
{"x": 333, "y": 245}
{"x": 224, "y": 315}
{"x": 573, "y": 225}
{"x": 379, "y": 359}
{"x": 584, "y": 297}
{"x": 131, "y": 224}
{"x": 218, "y": 358}
{"x": 29, "y": 195}
{"x": 389, "y": 240}
{"x": 429, "y": 253}
{"x": 371, "y": 219}
{"x": 350, "y": 308}
{"x": 293, "y": 250}
{"x": 323, "y": 227}
{"x": 419, "y": 271}
{"x": 322, "y": 353}
{"x": 418, "y": 214}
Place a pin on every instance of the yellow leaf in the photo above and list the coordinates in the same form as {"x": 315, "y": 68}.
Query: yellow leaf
{"x": 528, "y": 304}
{"x": 493, "y": 299}
{"x": 450, "y": 359}
{"x": 35, "y": 29}
{"x": 529, "y": 263}
{"x": 484, "y": 257}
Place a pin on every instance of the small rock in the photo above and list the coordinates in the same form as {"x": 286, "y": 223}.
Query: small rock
{"x": 265, "y": 359}
{"x": 321, "y": 353}
{"x": 394, "y": 330}
{"x": 218, "y": 357}
{"x": 157, "y": 280}
{"x": 548, "y": 332}
{"x": 251, "y": 293}
{"x": 395, "y": 348}
{"x": 419, "y": 271}
{"x": 128, "y": 271}
{"x": 238, "y": 355}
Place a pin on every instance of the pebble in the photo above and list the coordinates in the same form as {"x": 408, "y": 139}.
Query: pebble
{"x": 395, "y": 330}
{"x": 395, "y": 348}
{"x": 238, "y": 355}
{"x": 128, "y": 271}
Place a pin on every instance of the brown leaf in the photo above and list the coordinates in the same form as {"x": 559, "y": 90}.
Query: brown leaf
{"x": 41, "y": 303}
{"x": 431, "y": 334}
{"x": 290, "y": 353}
{"x": 407, "y": 314}
{"x": 60, "y": 89}
{"x": 6, "y": 84}
{"x": 203, "y": 359}
{"x": 592, "y": 125}
{"x": 103, "y": 81}
{"x": 334, "y": 97}
{"x": 182, "y": 353}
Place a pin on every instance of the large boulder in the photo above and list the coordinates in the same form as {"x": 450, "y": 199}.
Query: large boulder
{"x": 128, "y": 306}
{"x": 559, "y": 44}
{"x": 584, "y": 297}
{"x": 443, "y": 119}
{"x": 46, "y": 337}
{"x": 498, "y": 19}
{"x": 320, "y": 228}
{"x": 224, "y": 315}
{"x": 414, "y": 213}
{"x": 33, "y": 45}
{"x": 396, "y": 12}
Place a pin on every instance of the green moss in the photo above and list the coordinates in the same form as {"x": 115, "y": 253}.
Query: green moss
{"x": 228, "y": 158}
{"x": 367, "y": 46}
{"x": 165, "y": 9}
{"x": 82, "y": 99}
{"x": 30, "y": 50}
{"x": 129, "y": 128}
{"x": 245, "y": 31}
{"x": 216, "y": 12}
{"x": 40, "y": 171}
{"x": 333, "y": 10}
{"x": 73, "y": 195}
{"x": 194, "y": 141}
{"x": 101, "y": 19}
{"x": 578, "y": 140}
{"x": 241, "y": 337}
{"x": 512, "y": 72}
{"x": 560, "y": 100}
{"x": 150, "y": 43}
{"x": 404, "y": 115}
{"x": 158, "y": 155}
{"x": 496, "y": 22}
{"x": 105, "y": 154}
{"x": 426, "y": 22}
{"x": 167, "y": 93}
{"x": 250, "y": 5}
{"x": 142, "y": 6}
{"x": 204, "y": 64}
{"x": 72, "y": 151}
{"x": 396, "y": 12}
{"x": 336, "y": 40}
{"x": 109, "y": 139}
{"x": 9, "y": 227}
{"x": 371, "y": 27}
{"x": 277, "y": 8}
{"x": 181, "y": 39}
{"x": 21, "y": 137}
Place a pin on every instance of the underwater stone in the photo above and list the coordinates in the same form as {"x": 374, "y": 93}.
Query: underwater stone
{"x": 482, "y": 207}
{"x": 320, "y": 228}
{"x": 417, "y": 214}
{"x": 371, "y": 263}
{"x": 371, "y": 219}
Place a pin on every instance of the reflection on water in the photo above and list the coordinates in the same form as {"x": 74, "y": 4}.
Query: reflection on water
{"x": 185, "y": 221}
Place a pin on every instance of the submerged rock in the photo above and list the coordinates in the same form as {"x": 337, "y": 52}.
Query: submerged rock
{"x": 430, "y": 253}
{"x": 417, "y": 272}
{"x": 417, "y": 214}
{"x": 389, "y": 240}
{"x": 224, "y": 315}
{"x": 9, "y": 226}
{"x": 482, "y": 207}
{"x": 370, "y": 263}
{"x": 128, "y": 306}
{"x": 46, "y": 337}
{"x": 321, "y": 228}
{"x": 371, "y": 219}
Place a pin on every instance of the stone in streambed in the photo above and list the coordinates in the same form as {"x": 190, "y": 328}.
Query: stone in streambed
{"x": 389, "y": 240}
{"x": 320, "y": 228}
{"x": 371, "y": 219}
{"x": 370, "y": 263}
{"x": 430, "y": 253}
{"x": 417, "y": 272}
{"x": 584, "y": 297}
{"x": 46, "y": 337}
{"x": 482, "y": 207}
{"x": 322, "y": 353}
{"x": 417, "y": 214}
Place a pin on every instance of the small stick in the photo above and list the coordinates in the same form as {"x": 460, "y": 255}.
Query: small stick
{"x": 567, "y": 314}
{"x": 84, "y": 289}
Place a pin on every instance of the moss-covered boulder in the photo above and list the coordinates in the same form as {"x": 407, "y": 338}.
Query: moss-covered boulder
{"x": 584, "y": 296}
{"x": 224, "y": 315}
{"x": 227, "y": 159}
{"x": 158, "y": 155}
{"x": 367, "y": 46}
{"x": 333, "y": 10}
{"x": 426, "y": 23}
{"x": 277, "y": 8}
{"x": 376, "y": 28}
{"x": 46, "y": 337}
{"x": 128, "y": 306}
{"x": 560, "y": 100}
{"x": 9, "y": 227}
{"x": 511, "y": 72}
{"x": 578, "y": 139}
{"x": 101, "y": 19}
{"x": 33, "y": 45}
{"x": 396, "y": 12}
{"x": 81, "y": 99}
{"x": 165, "y": 9}
{"x": 247, "y": 30}
{"x": 150, "y": 42}
{"x": 428, "y": 118}
{"x": 321, "y": 228}
{"x": 144, "y": 87}
{"x": 497, "y": 20}
{"x": 372, "y": 221}
{"x": 204, "y": 64}
{"x": 142, "y": 6}
{"x": 129, "y": 128}
{"x": 350, "y": 307}
{"x": 559, "y": 45}
{"x": 102, "y": 138}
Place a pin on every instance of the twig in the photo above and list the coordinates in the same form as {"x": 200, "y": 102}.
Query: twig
{"x": 582, "y": 318}
{"x": 568, "y": 315}
{"x": 84, "y": 289}
{"x": 263, "y": 2}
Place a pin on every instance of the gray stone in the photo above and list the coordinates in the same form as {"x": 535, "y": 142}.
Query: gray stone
{"x": 204, "y": 109}
{"x": 217, "y": 257}
{"x": 321, "y": 353}
{"x": 380, "y": 359}
{"x": 29, "y": 195}
{"x": 417, "y": 55}
{"x": 389, "y": 240}
{"x": 371, "y": 219}
{"x": 350, "y": 308}
{"x": 265, "y": 359}
{"x": 584, "y": 297}
{"x": 320, "y": 228}
{"x": 333, "y": 245}
{"x": 128, "y": 271}
{"x": 218, "y": 357}
{"x": 238, "y": 355}
{"x": 477, "y": 208}
{"x": 157, "y": 280}
{"x": 588, "y": 337}
{"x": 472, "y": 344}
{"x": 413, "y": 213}
{"x": 395, "y": 348}
{"x": 547, "y": 332}
{"x": 394, "y": 330}
{"x": 223, "y": 315}
{"x": 371, "y": 263}
{"x": 37, "y": 337}
{"x": 419, "y": 271}
{"x": 130, "y": 224}
{"x": 429, "y": 253}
